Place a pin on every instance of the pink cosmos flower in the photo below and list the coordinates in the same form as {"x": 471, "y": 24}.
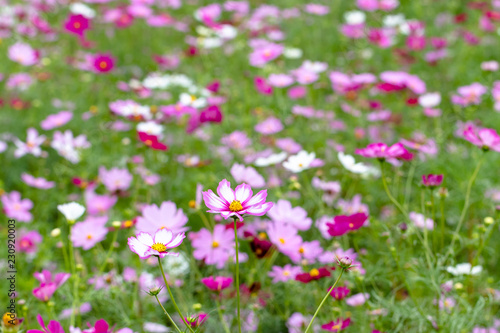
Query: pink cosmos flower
{"x": 17, "y": 208}
{"x": 28, "y": 241}
{"x": 431, "y": 180}
{"x": 52, "y": 327}
{"x": 284, "y": 213}
{"x": 101, "y": 326}
{"x": 470, "y": 94}
{"x": 357, "y": 300}
{"x": 236, "y": 140}
{"x": 289, "y": 145}
{"x": 337, "y": 325}
{"x": 285, "y": 273}
{"x": 485, "y": 138}
{"x": 368, "y": 5}
{"x": 248, "y": 175}
{"x": 20, "y": 81}
{"x": 166, "y": 216}
{"x": 45, "y": 291}
{"x": 99, "y": 204}
{"x": 342, "y": 224}
{"x": 382, "y": 151}
{"x": 217, "y": 283}
{"x": 103, "y": 63}
{"x": 316, "y": 9}
{"x": 147, "y": 245}
{"x": 77, "y": 24}
{"x": 115, "y": 179}
{"x": 40, "y": 183}
{"x": 23, "y": 54}
{"x": 339, "y": 293}
{"x": 88, "y": 233}
{"x": 46, "y": 276}
{"x": 307, "y": 252}
{"x": 32, "y": 145}
{"x": 262, "y": 86}
{"x": 421, "y": 221}
{"x": 215, "y": 248}
{"x": 56, "y": 120}
{"x": 269, "y": 126}
{"x": 265, "y": 53}
{"x": 285, "y": 238}
{"x": 280, "y": 80}
{"x": 236, "y": 203}
{"x": 354, "y": 31}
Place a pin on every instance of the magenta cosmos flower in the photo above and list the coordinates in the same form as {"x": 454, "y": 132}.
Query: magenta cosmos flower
{"x": 432, "y": 180}
{"x": 382, "y": 151}
{"x": 486, "y": 138}
{"x": 146, "y": 245}
{"x": 217, "y": 283}
{"x": 238, "y": 202}
{"x": 103, "y": 63}
{"x": 52, "y": 327}
{"x": 337, "y": 325}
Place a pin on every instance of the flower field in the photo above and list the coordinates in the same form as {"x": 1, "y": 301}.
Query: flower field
{"x": 250, "y": 166}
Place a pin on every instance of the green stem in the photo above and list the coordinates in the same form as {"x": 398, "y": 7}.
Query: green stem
{"x": 237, "y": 279}
{"x": 108, "y": 255}
{"x": 221, "y": 318}
{"x": 443, "y": 222}
{"x": 465, "y": 209}
{"x": 166, "y": 313}
{"x": 172, "y": 297}
{"x": 388, "y": 192}
{"x": 323, "y": 301}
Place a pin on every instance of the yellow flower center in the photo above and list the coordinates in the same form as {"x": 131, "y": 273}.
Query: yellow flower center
{"x": 77, "y": 25}
{"x": 336, "y": 327}
{"x": 10, "y": 320}
{"x": 148, "y": 142}
{"x": 159, "y": 247}
{"x": 282, "y": 240}
{"x": 103, "y": 65}
{"x": 215, "y": 244}
{"x": 301, "y": 250}
{"x": 262, "y": 235}
{"x": 235, "y": 206}
{"x": 89, "y": 236}
{"x": 192, "y": 204}
{"x": 286, "y": 273}
{"x": 351, "y": 225}
{"x": 128, "y": 224}
{"x": 314, "y": 272}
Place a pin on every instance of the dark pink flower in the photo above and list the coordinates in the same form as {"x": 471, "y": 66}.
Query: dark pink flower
{"x": 262, "y": 86}
{"x": 382, "y": 151}
{"x": 52, "y": 327}
{"x": 238, "y": 202}
{"x": 431, "y": 180}
{"x": 342, "y": 224}
{"x": 337, "y": 325}
{"x": 77, "y": 24}
{"x": 217, "y": 283}
{"x": 339, "y": 292}
{"x": 103, "y": 63}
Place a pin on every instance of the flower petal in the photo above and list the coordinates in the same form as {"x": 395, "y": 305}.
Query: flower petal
{"x": 213, "y": 202}
{"x": 163, "y": 236}
{"x": 257, "y": 199}
{"x": 137, "y": 247}
{"x": 145, "y": 238}
{"x": 243, "y": 192}
{"x": 225, "y": 192}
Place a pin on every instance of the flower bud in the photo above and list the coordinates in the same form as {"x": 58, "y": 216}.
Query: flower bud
{"x": 344, "y": 262}
{"x": 56, "y": 232}
{"x": 489, "y": 220}
{"x": 154, "y": 291}
{"x": 116, "y": 224}
{"x": 196, "y": 306}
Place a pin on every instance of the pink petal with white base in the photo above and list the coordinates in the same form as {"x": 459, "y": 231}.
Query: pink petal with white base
{"x": 225, "y": 192}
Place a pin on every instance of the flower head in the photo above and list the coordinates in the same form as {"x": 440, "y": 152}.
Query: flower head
{"x": 485, "y": 138}
{"x": 217, "y": 283}
{"x": 337, "y": 325}
{"x": 71, "y": 211}
{"x": 342, "y": 224}
{"x": 432, "y": 180}
{"x": 103, "y": 63}
{"x": 382, "y": 151}
{"x": 238, "y": 202}
{"x": 147, "y": 245}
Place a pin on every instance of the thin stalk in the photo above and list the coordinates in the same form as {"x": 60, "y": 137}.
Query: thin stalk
{"x": 237, "y": 279}
{"x": 221, "y": 318}
{"x": 108, "y": 255}
{"x": 172, "y": 297}
{"x": 166, "y": 313}
{"x": 465, "y": 208}
{"x": 323, "y": 301}
{"x": 443, "y": 221}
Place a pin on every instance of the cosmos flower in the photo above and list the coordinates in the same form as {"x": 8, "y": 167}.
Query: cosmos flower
{"x": 431, "y": 180}
{"x": 337, "y": 325}
{"x": 342, "y": 224}
{"x": 217, "y": 283}
{"x": 215, "y": 248}
{"x": 357, "y": 300}
{"x": 56, "y": 120}
{"x": 32, "y": 145}
{"x": 248, "y": 175}
{"x": 103, "y": 63}
{"x": 28, "y": 241}
{"x": 283, "y": 212}
{"x": 146, "y": 245}
{"x": 485, "y": 138}
{"x": 382, "y": 151}
{"x": 71, "y": 211}
{"x": 313, "y": 274}
{"x": 115, "y": 179}
{"x": 15, "y": 207}
{"x": 339, "y": 293}
{"x": 285, "y": 273}
{"x": 236, "y": 203}
{"x": 23, "y": 54}
{"x": 300, "y": 162}
{"x": 88, "y": 233}
{"x": 464, "y": 269}
{"x": 77, "y": 24}
{"x": 166, "y": 216}
{"x": 151, "y": 141}
{"x": 52, "y": 327}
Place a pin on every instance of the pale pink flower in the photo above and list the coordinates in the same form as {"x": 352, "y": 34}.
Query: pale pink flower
{"x": 166, "y": 216}
{"x": 215, "y": 248}
{"x": 146, "y": 245}
{"x": 248, "y": 175}
{"x": 296, "y": 217}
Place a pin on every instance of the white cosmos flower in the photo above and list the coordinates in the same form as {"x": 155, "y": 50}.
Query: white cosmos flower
{"x": 71, "y": 211}
{"x": 82, "y": 9}
{"x": 355, "y": 17}
{"x": 392, "y": 21}
{"x": 270, "y": 160}
{"x": 429, "y": 100}
{"x": 227, "y": 32}
{"x": 292, "y": 53}
{"x": 150, "y": 127}
{"x": 300, "y": 162}
{"x": 464, "y": 269}
{"x": 192, "y": 100}
{"x": 350, "y": 164}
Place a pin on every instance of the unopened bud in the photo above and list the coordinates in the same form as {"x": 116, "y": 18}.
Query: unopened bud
{"x": 154, "y": 291}
{"x": 197, "y": 306}
{"x": 489, "y": 220}
{"x": 116, "y": 224}
{"x": 56, "y": 232}
{"x": 458, "y": 286}
{"x": 344, "y": 262}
